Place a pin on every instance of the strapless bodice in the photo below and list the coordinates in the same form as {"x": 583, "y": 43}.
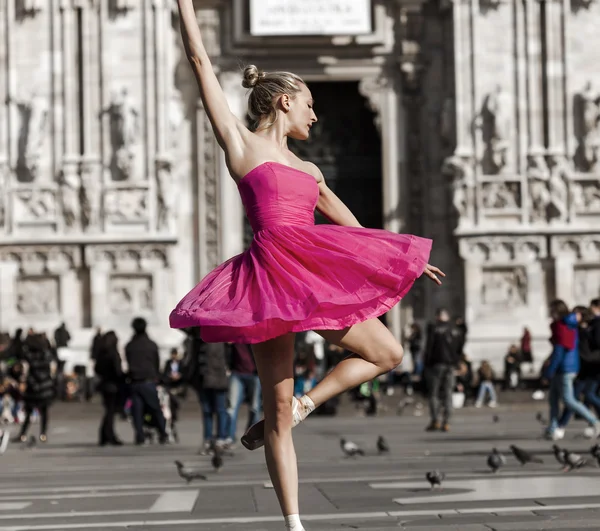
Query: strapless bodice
{"x": 274, "y": 194}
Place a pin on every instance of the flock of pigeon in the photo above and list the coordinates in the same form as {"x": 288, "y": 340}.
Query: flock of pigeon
{"x": 495, "y": 461}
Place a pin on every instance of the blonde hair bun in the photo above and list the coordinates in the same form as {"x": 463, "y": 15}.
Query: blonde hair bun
{"x": 252, "y": 75}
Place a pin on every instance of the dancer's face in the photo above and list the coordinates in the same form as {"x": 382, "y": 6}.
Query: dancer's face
{"x": 300, "y": 113}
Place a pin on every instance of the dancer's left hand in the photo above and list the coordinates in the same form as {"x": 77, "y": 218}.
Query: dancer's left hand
{"x": 432, "y": 272}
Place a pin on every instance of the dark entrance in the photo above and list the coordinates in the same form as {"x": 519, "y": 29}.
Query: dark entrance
{"x": 346, "y": 146}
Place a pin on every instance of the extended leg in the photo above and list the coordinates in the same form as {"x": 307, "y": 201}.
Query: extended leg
{"x": 274, "y": 361}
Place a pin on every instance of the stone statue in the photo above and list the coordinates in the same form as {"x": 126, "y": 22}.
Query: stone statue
{"x": 33, "y": 130}
{"x": 557, "y": 187}
{"x": 497, "y": 124}
{"x": 176, "y": 117}
{"x": 588, "y": 115}
{"x": 539, "y": 175}
{"x": 70, "y": 190}
{"x": 165, "y": 194}
{"x": 462, "y": 175}
{"x": 499, "y": 195}
{"x": 91, "y": 200}
{"x": 125, "y": 132}
{"x": 32, "y": 6}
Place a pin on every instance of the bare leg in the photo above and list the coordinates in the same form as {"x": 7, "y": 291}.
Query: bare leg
{"x": 376, "y": 352}
{"x": 275, "y": 364}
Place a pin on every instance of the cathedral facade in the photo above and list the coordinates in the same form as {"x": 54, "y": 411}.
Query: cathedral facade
{"x": 472, "y": 122}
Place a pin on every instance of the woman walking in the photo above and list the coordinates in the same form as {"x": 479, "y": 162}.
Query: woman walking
{"x": 39, "y": 384}
{"x": 336, "y": 279}
{"x": 110, "y": 370}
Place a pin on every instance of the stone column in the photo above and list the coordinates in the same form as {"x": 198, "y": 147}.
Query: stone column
{"x": 535, "y": 82}
{"x": 564, "y": 265}
{"x": 9, "y": 271}
{"x": 99, "y": 273}
{"x": 232, "y": 212}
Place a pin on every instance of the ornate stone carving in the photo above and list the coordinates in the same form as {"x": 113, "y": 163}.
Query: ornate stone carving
{"x": 463, "y": 181}
{"x": 496, "y": 124}
{"x": 504, "y": 249}
{"x": 499, "y": 195}
{"x": 38, "y": 295}
{"x": 370, "y": 88}
{"x": 448, "y": 121}
{"x": 209, "y": 22}
{"x": 129, "y": 294}
{"x": 586, "y": 114}
{"x": 504, "y": 287}
{"x": 125, "y": 128}
{"x": 4, "y": 195}
{"x": 34, "y": 205}
{"x": 91, "y": 195}
{"x": 586, "y": 284}
{"x": 118, "y": 7}
{"x": 130, "y": 258}
{"x": 41, "y": 260}
{"x": 33, "y": 128}
{"x": 585, "y": 196}
{"x": 70, "y": 196}
{"x": 585, "y": 247}
{"x": 126, "y": 204}
{"x": 30, "y": 7}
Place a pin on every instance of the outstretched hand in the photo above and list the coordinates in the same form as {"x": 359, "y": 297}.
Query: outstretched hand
{"x": 432, "y": 272}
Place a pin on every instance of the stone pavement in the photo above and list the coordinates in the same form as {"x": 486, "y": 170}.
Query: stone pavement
{"x": 71, "y": 484}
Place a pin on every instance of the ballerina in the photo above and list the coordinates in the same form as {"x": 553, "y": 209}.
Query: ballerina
{"x": 296, "y": 276}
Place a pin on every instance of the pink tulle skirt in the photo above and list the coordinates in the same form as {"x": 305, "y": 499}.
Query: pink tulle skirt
{"x": 299, "y": 278}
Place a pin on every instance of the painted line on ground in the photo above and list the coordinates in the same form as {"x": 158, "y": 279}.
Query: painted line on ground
{"x": 14, "y": 506}
{"x": 254, "y": 482}
{"x": 308, "y": 518}
{"x": 182, "y": 501}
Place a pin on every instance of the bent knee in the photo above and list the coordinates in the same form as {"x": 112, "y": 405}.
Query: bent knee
{"x": 278, "y": 414}
{"x": 391, "y": 357}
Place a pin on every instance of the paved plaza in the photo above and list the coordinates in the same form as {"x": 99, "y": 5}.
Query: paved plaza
{"x": 73, "y": 484}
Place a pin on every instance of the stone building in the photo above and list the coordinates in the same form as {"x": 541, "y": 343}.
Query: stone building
{"x": 474, "y": 123}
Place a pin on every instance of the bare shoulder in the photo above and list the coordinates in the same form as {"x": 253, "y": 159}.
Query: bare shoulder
{"x": 314, "y": 170}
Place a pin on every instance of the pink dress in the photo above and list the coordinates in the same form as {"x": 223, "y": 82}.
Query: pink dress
{"x": 296, "y": 275}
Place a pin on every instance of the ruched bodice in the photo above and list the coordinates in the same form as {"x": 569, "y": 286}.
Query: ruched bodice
{"x": 274, "y": 194}
{"x": 298, "y": 276}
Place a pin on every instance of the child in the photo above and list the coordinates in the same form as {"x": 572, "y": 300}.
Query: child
{"x": 486, "y": 385}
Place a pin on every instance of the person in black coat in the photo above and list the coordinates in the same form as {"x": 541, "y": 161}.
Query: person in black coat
{"x": 109, "y": 370}
{"x": 144, "y": 372}
{"x": 39, "y": 384}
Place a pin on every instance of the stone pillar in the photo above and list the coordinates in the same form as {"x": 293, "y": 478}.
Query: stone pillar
{"x": 230, "y": 205}
{"x": 9, "y": 271}
{"x": 535, "y": 82}
{"x": 564, "y": 264}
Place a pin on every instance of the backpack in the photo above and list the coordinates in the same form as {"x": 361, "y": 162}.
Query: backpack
{"x": 587, "y": 352}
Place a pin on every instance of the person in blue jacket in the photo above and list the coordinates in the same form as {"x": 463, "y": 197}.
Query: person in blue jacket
{"x": 562, "y": 368}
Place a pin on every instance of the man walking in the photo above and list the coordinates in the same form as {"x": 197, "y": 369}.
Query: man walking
{"x": 144, "y": 371}
{"x": 441, "y": 358}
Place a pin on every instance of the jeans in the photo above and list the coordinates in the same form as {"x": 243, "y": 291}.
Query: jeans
{"x": 144, "y": 399}
{"x": 561, "y": 388}
{"x": 43, "y": 410}
{"x": 240, "y": 386}
{"x": 214, "y": 401}
{"x": 486, "y": 387}
{"x": 440, "y": 380}
{"x": 589, "y": 389}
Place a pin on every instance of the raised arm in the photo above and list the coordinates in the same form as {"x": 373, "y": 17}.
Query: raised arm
{"x": 228, "y": 129}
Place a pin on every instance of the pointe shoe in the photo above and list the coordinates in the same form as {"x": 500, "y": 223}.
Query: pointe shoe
{"x": 254, "y": 437}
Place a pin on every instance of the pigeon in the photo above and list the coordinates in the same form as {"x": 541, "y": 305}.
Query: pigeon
{"x": 523, "y": 456}
{"x": 573, "y": 460}
{"x": 217, "y": 459}
{"x": 351, "y": 449}
{"x": 435, "y": 478}
{"x": 496, "y": 419}
{"x": 187, "y": 474}
{"x": 560, "y": 454}
{"x": 496, "y": 460}
{"x": 382, "y": 445}
{"x": 540, "y": 418}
